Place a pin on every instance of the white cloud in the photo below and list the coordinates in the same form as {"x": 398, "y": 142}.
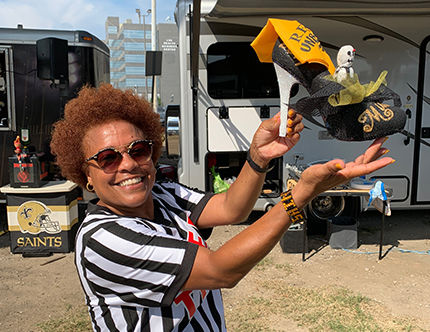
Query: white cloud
{"x": 89, "y": 15}
{"x": 47, "y": 14}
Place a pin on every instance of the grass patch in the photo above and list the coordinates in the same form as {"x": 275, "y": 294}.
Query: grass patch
{"x": 75, "y": 319}
{"x": 319, "y": 309}
{"x": 268, "y": 263}
{"x": 276, "y": 304}
{"x": 265, "y": 263}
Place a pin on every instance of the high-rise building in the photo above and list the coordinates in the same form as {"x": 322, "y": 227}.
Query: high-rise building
{"x": 128, "y": 43}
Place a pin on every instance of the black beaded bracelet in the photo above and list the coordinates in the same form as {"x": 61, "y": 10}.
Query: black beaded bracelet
{"x": 255, "y": 167}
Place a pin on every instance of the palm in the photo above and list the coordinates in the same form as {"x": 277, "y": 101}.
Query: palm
{"x": 267, "y": 141}
{"x": 322, "y": 177}
{"x": 270, "y": 145}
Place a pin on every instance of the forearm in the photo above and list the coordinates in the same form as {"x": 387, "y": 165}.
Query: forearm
{"x": 244, "y": 192}
{"x": 234, "y": 205}
{"x": 232, "y": 261}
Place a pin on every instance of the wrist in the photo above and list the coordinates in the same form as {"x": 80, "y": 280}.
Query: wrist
{"x": 256, "y": 162}
{"x": 301, "y": 197}
{"x": 296, "y": 214}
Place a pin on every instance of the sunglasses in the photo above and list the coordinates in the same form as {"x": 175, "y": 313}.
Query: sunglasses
{"x": 109, "y": 159}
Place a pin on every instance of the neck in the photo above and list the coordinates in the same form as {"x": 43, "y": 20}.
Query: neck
{"x": 145, "y": 211}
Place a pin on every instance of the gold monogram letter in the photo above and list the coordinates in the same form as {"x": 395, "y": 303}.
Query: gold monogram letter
{"x": 381, "y": 112}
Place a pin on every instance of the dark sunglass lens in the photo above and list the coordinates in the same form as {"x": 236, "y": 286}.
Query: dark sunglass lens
{"x": 108, "y": 159}
{"x": 140, "y": 151}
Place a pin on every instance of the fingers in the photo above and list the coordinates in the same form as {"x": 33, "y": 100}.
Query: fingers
{"x": 368, "y": 168}
{"x": 381, "y": 152}
{"x": 335, "y": 165}
{"x": 374, "y": 151}
{"x": 294, "y": 123}
{"x": 351, "y": 171}
{"x": 272, "y": 123}
{"x": 294, "y": 139}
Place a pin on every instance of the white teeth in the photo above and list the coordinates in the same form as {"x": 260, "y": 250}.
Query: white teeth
{"x": 129, "y": 182}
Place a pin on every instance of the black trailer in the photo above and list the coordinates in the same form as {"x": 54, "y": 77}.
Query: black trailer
{"x": 40, "y": 70}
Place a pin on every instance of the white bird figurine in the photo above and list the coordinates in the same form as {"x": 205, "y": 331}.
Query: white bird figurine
{"x": 344, "y": 69}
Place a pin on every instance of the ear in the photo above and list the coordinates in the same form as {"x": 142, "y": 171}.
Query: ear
{"x": 89, "y": 180}
{"x": 87, "y": 172}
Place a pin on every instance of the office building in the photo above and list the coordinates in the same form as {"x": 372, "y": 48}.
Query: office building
{"x": 128, "y": 43}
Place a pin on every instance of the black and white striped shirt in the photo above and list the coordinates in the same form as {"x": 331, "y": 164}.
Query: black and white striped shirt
{"x": 132, "y": 269}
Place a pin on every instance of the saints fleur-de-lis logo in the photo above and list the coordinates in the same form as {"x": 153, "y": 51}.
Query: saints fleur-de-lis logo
{"x": 26, "y": 212}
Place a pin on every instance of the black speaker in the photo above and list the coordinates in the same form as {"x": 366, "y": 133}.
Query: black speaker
{"x": 52, "y": 59}
{"x": 153, "y": 63}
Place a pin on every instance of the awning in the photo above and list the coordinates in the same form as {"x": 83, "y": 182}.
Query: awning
{"x": 231, "y": 8}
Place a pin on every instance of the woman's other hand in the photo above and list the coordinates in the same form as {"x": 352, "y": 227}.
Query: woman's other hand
{"x": 267, "y": 145}
{"x": 321, "y": 177}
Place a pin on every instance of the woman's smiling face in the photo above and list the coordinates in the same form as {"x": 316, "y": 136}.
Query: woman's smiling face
{"x": 128, "y": 190}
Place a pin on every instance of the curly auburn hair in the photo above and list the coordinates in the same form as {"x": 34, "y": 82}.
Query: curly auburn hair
{"x": 92, "y": 107}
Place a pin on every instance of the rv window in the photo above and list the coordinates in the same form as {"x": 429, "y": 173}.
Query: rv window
{"x": 234, "y": 71}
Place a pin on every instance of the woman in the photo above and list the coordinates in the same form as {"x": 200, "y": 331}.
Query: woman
{"x": 140, "y": 252}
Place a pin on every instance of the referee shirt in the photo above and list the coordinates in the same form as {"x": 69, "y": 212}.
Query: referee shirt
{"x": 132, "y": 269}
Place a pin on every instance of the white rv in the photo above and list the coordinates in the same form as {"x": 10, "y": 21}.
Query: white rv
{"x": 226, "y": 92}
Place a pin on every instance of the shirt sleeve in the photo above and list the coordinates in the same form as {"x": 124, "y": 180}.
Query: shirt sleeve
{"x": 190, "y": 199}
{"x": 129, "y": 263}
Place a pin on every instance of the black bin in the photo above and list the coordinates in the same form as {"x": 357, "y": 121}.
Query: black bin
{"x": 343, "y": 232}
{"x": 29, "y": 172}
{"x": 294, "y": 239}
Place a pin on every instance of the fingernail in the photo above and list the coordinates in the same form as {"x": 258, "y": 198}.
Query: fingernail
{"x": 290, "y": 113}
{"x": 289, "y": 130}
{"x": 385, "y": 152}
{"x": 385, "y": 139}
{"x": 339, "y": 166}
{"x": 393, "y": 161}
{"x": 290, "y": 122}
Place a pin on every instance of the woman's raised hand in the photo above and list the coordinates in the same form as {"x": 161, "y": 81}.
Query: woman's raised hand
{"x": 267, "y": 144}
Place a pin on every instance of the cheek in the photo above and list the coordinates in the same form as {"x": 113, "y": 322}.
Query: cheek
{"x": 152, "y": 171}
{"x": 98, "y": 177}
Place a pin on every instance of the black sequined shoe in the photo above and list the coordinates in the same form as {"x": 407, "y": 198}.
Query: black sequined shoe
{"x": 377, "y": 115}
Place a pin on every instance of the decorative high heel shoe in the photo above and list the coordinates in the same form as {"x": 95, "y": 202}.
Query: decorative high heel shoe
{"x": 354, "y": 112}
{"x": 297, "y": 57}
{"x": 351, "y": 111}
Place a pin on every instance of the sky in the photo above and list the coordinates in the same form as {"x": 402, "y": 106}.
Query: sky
{"x": 88, "y": 15}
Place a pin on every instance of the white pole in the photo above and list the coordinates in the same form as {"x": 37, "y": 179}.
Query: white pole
{"x": 144, "y": 51}
{"x": 154, "y": 48}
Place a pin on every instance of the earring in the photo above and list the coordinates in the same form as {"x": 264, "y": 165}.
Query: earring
{"x": 89, "y": 187}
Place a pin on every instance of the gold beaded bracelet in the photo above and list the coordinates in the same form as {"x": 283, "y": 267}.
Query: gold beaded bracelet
{"x": 296, "y": 216}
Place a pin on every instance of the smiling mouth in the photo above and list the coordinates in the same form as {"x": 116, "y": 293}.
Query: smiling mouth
{"x": 130, "y": 182}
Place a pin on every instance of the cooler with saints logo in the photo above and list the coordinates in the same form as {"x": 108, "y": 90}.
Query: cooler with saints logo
{"x": 42, "y": 220}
